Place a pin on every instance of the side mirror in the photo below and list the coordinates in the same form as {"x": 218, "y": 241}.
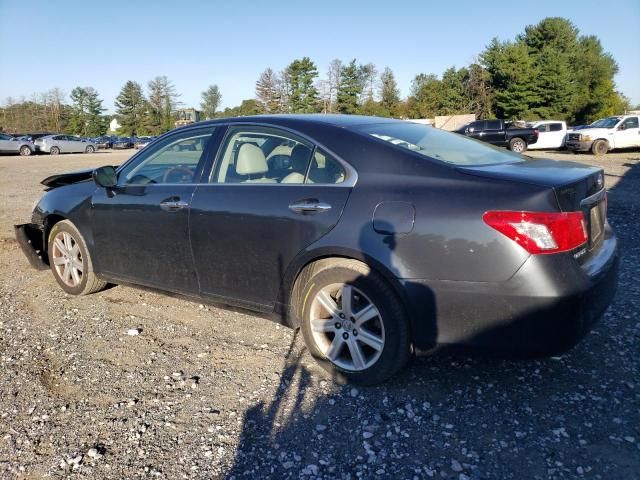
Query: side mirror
{"x": 622, "y": 126}
{"x": 105, "y": 177}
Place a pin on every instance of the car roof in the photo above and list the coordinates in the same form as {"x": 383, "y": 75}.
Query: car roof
{"x": 335, "y": 120}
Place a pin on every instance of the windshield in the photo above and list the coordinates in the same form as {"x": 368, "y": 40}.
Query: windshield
{"x": 439, "y": 144}
{"x": 609, "y": 122}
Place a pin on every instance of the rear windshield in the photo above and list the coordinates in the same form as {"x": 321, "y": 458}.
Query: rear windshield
{"x": 438, "y": 144}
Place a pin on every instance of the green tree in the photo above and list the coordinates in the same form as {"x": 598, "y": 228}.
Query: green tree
{"x": 550, "y": 71}
{"x": 246, "y": 108}
{"x": 349, "y": 88}
{"x": 303, "y": 95}
{"x": 389, "y": 94}
{"x": 131, "y": 109}
{"x": 86, "y": 113}
{"x": 425, "y": 100}
{"x": 211, "y": 99}
{"x": 454, "y": 98}
{"x": 513, "y": 74}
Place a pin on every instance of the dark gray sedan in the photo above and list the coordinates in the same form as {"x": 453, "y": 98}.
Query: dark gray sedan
{"x": 378, "y": 238}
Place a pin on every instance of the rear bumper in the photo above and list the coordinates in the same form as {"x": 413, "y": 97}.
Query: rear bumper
{"x": 546, "y": 308}
{"x": 30, "y": 237}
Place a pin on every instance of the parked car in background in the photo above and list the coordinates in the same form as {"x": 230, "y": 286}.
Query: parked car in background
{"x": 606, "y": 134}
{"x": 104, "y": 142}
{"x": 142, "y": 142}
{"x": 552, "y": 134}
{"x": 385, "y": 237}
{"x": 55, "y": 144}
{"x": 10, "y": 144}
{"x": 121, "y": 142}
{"x": 500, "y": 133}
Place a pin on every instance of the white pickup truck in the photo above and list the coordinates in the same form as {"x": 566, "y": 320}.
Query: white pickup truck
{"x": 606, "y": 134}
{"x": 552, "y": 134}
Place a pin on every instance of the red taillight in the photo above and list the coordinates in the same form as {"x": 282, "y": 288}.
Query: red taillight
{"x": 540, "y": 232}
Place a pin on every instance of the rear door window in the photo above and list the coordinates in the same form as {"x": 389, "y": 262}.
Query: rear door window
{"x": 493, "y": 125}
{"x": 262, "y": 155}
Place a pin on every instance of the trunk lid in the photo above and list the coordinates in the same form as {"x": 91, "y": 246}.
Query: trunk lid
{"x": 577, "y": 187}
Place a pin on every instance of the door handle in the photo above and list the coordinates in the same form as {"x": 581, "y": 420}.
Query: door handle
{"x": 172, "y": 204}
{"x": 305, "y": 207}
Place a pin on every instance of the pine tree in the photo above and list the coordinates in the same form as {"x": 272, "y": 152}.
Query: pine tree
{"x": 303, "y": 96}
{"x": 349, "y": 88}
{"x": 269, "y": 91}
{"x": 131, "y": 109}
{"x": 389, "y": 93}
{"x": 86, "y": 113}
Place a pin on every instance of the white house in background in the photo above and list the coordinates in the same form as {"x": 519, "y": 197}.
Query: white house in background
{"x": 114, "y": 125}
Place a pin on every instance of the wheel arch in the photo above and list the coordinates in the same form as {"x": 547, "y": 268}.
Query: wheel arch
{"x": 299, "y": 265}
{"x": 49, "y": 222}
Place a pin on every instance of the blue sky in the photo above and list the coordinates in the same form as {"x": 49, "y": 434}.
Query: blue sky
{"x": 64, "y": 44}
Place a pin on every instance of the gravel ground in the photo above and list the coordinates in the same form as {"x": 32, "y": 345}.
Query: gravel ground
{"x": 129, "y": 384}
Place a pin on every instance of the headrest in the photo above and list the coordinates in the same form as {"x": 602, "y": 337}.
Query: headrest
{"x": 250, "y": 160}
{"x": 299, "y": 158}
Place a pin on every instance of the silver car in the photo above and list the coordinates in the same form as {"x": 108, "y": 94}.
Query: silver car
{"x": 55, "y": 144}
{"x": 9, "y": 144}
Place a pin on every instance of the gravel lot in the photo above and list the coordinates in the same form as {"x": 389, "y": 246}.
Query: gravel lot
{"x": 194, "y": 396}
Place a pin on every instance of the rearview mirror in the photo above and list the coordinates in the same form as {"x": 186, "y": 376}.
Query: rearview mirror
{"x": 105, "y": 177}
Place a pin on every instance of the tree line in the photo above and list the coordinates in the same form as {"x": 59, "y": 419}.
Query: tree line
{"x": 548, "y": 71}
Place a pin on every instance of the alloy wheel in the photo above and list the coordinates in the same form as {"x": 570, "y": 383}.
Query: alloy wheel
{"x": 67, "y": 259}
{"x": 517, "y": 147}
{"x": 347, "y": 327}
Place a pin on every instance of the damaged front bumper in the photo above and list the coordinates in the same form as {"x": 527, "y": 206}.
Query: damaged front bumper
{"x": 31, "y": 239}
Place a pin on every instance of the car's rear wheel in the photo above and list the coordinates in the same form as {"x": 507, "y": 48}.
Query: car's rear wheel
{"x": 517, "y": 145}
{"x": 70, "y": 260}
{"x": 54, "y": 151}
{"x": 25, "y": 151}
{"x": 600, "y": 147}
{"x": 352, "y": 322}
{"x": 89, "y": 149}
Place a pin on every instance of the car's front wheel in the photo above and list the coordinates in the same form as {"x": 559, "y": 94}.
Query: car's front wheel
{"x": 25, "y": 151}
{"x": 70, "y": 260}
{"x": 352, "y": 322}
{"x": 89, "y": 149}
{"x": 600, "y": 147}
{"x": 54, "y": 150}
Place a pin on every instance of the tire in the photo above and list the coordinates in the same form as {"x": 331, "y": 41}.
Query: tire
{"x": 338, "y": 341}
{"x": 89, "y": 149}
{"x": 54, "y": 151}
{"x": 517, "y": 145}
{"x": 25, "y": 151}
{"x": 600, "y": 147}
{"x": 68, "y": 253}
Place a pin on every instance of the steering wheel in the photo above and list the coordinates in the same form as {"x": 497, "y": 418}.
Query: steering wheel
{"x": 186, "y": 172}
